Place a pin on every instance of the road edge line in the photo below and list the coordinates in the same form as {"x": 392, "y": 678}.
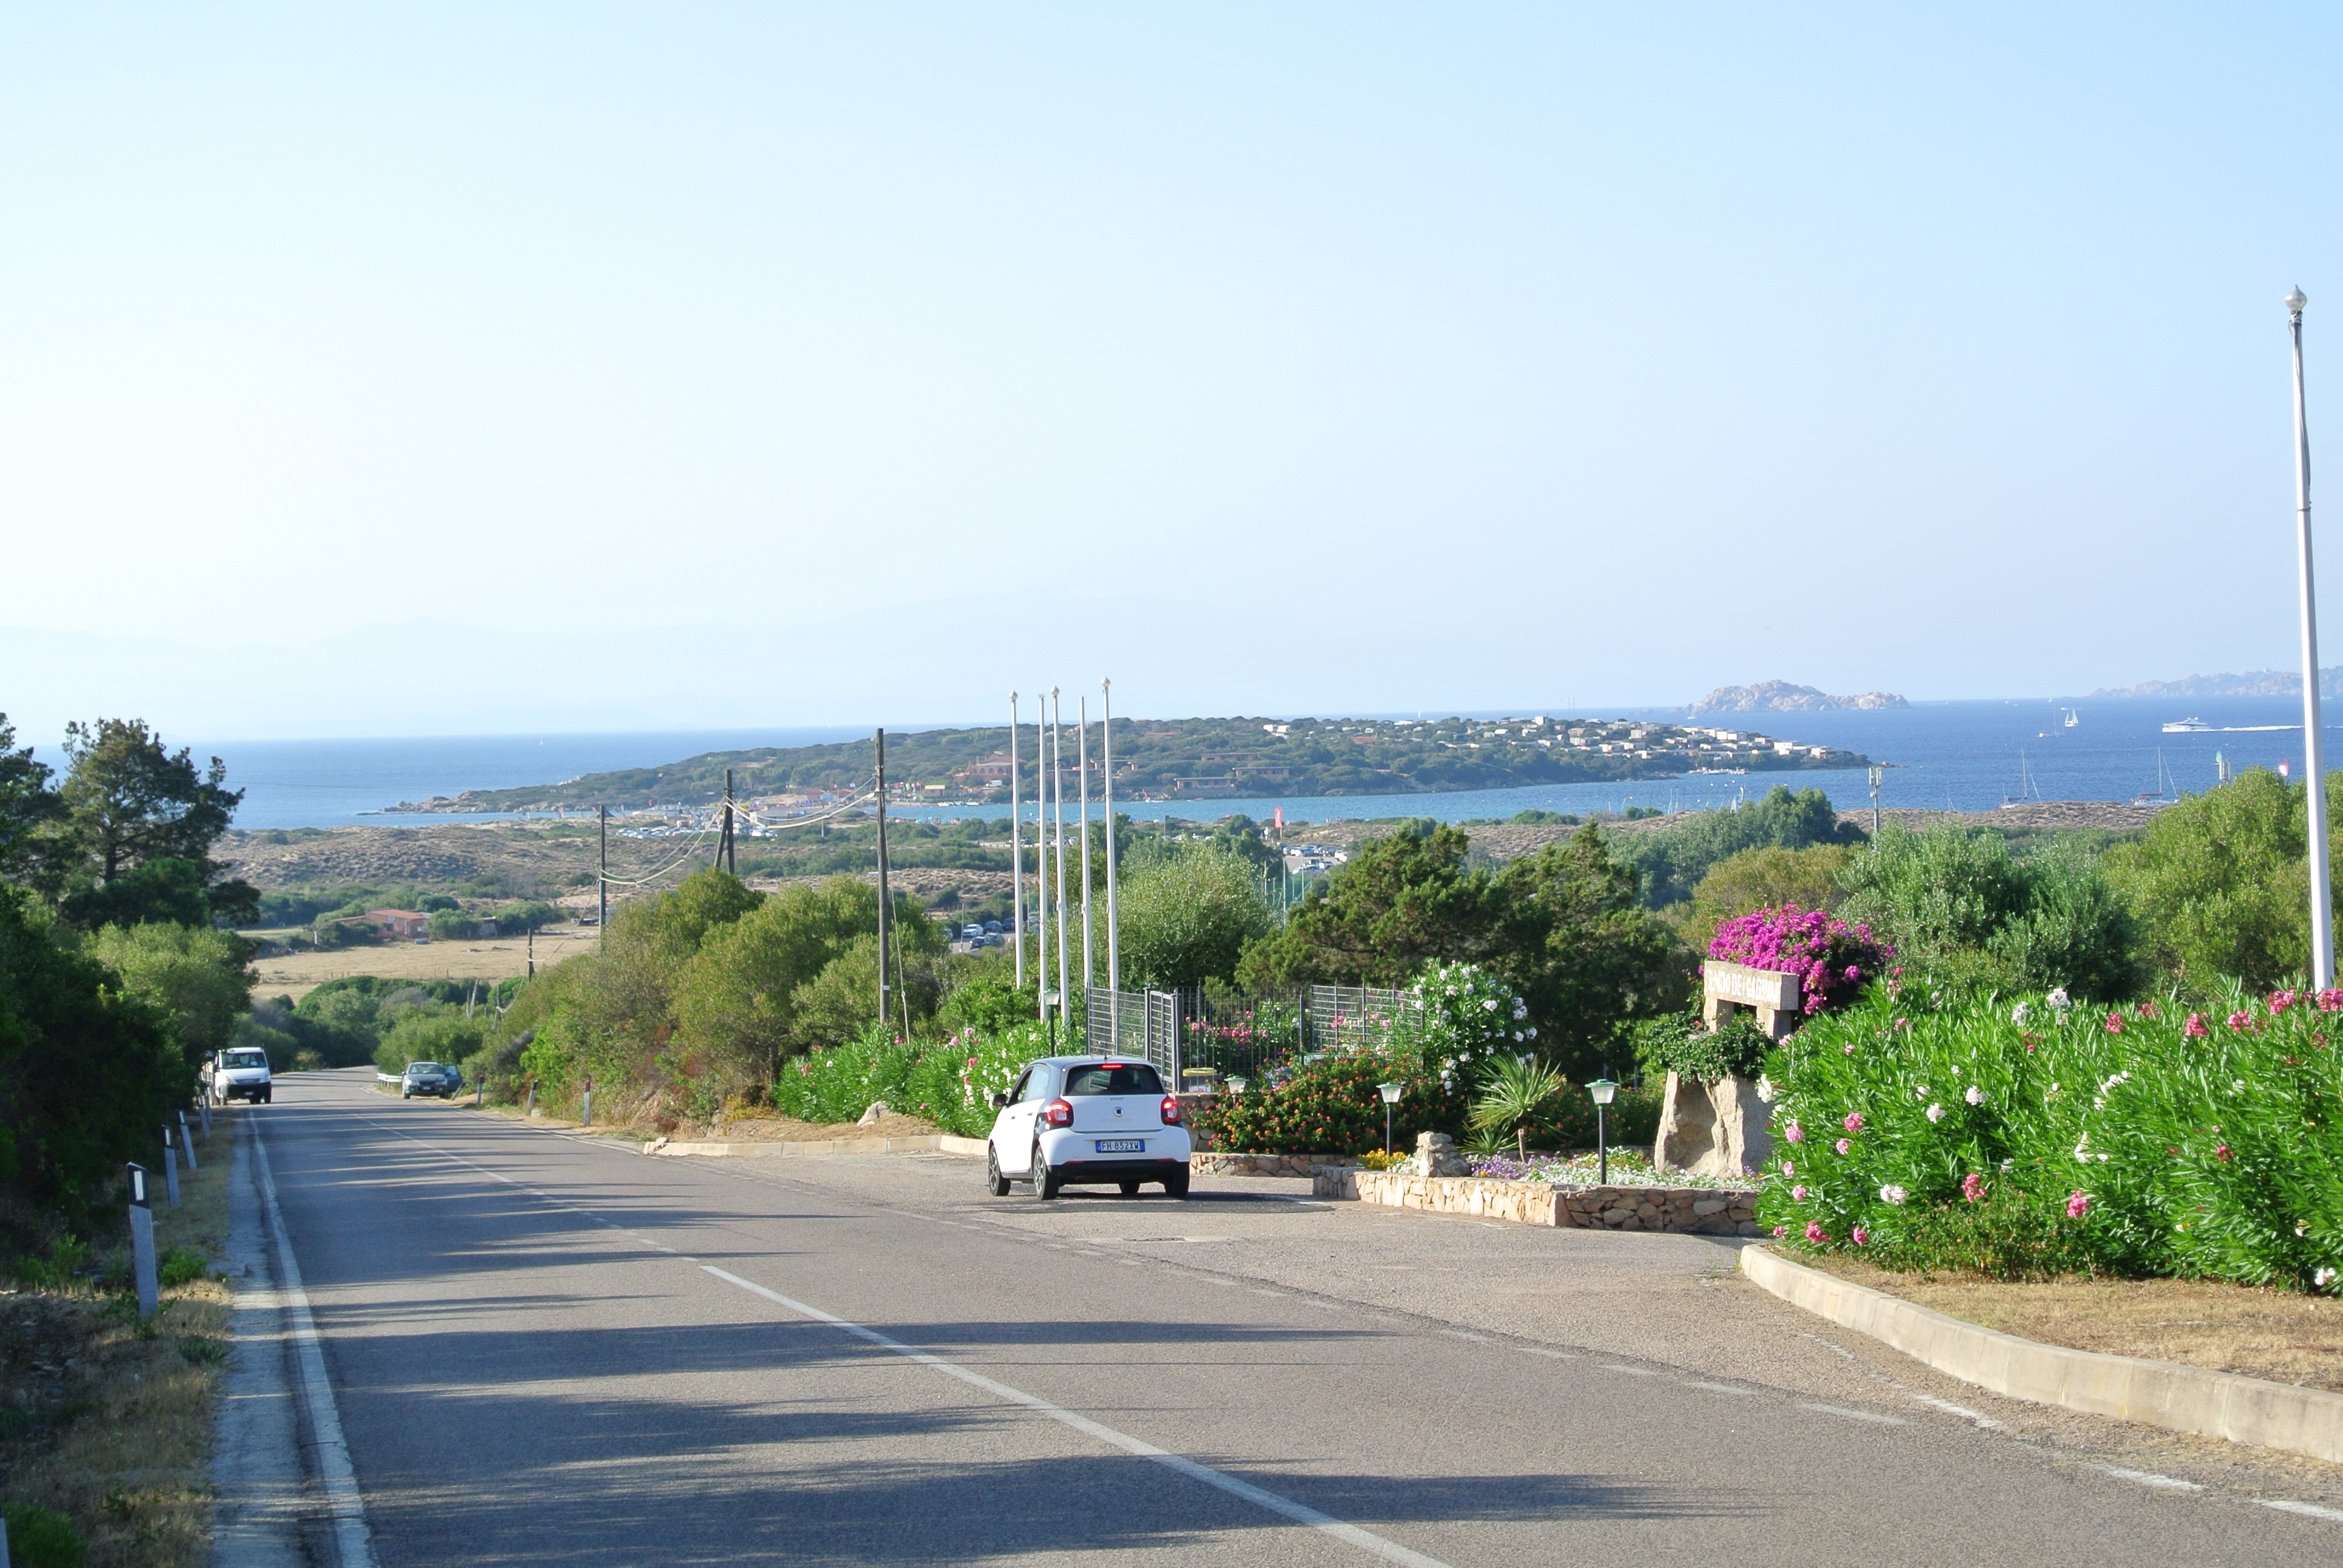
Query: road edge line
{"x": 353, "y": 1541}
{"x": 1261, "y": 1497}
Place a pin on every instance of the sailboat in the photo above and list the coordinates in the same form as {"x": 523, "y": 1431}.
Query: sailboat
{"x": 2160, "y": 796}
{"x": 2072, "y": 719}
{"x": 2024, "y": 783}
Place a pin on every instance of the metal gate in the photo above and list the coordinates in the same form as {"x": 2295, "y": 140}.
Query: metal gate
{"x": 1134, "y": 1022}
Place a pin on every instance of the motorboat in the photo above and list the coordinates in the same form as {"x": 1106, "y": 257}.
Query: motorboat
{"x": 2189, "y": 726}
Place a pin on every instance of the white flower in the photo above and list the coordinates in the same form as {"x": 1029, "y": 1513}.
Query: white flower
{"x": 1956, "y": 1069}
{"x": 2020, "y": 1014}
{"x": 2302, "y": 1229}
{"x": 1530, "y": 1033}
{"x": 1921, "y": 1092}
{"x": 2110, "y": 1083}
{"x": 1489, "y": 1004}
{"x": 2057, "y": 998}
{"x": 1892, "y": 1193}
{"x": 1976, "y": 1096}
{"x": 2083, "y": 1147}
{"x": 1935, "y": 1113}
{"x": 2007, "y": 1166}
{"x": 2324, "y": 1278}
{"x": 2238, "y": 1084}
{"x": 1520, "y": 1012}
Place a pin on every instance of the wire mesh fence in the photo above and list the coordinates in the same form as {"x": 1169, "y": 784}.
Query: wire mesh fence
{"x": 1211, "y": 1031}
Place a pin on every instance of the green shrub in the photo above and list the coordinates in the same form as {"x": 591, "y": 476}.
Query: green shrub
{"x": 949, "y": 1082}
{"x": 2036, "y": 1138}
{"x": 1330, "y": 1106}
{"x": 43, "y": 1538}
{"x": 181, "y": 1266}
{"x": 1682, "y": 1044}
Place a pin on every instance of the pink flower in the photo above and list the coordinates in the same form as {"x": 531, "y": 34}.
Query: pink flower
{"x": 1795, "y": 1133}
{"x": 1903, "y": 1024}
{"x": 2195, "y": 1028}
{"x": 1788, "y": 1169}
{"x": 2078, "y": 1203}
{"x": 2330, "y": 1001}
{"x": 2279, "y": 1001}
{"x": 1798, "y": 1193}
{"x": 1816, "y": 1234}
{"x": 1973, "y": 1187}
{"x": 2240, "y": 1021}
{"x": 1853, "y": 1122}
{"x": 1859, "y": 1236}
{"x": 1854, "y": 972}
{"x": 2147, "y": 1009}
{"x": 1844, "y": 1145}
{"x": 2221, "y": 1152}
{"x": 2115, "y": 1023}
{"x": 1781, "y": 1231}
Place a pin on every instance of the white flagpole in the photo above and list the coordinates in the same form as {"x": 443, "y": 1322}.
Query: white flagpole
{"x": 1016, "y": 854}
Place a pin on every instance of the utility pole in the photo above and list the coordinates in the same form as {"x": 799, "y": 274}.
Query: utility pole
{"x": 1016, "y": 854}
{"x": 1113, "y": 945}
{"x": 882, "y": 742}
{"x": 1057, "y": 830}
{"x": 2314, "y": 774}
{"x": 1082, "y": 766}
{"x": 532, "y": 950}
{"x": 1040, "y": 856}
{"x": 1874, "y": 802}
{"x": 731, "y": 868}
{"x": 602, "y": 882}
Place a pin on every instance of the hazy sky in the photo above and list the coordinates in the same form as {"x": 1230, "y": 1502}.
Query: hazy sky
{"x": 1550, "y": 352}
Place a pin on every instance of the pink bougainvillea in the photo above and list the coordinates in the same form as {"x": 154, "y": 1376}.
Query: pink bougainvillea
{"x": 1830, "y": 957}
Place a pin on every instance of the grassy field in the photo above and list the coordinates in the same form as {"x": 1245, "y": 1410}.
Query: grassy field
{"x": 108, "y": 1421}
{"x": 299, "y": 973}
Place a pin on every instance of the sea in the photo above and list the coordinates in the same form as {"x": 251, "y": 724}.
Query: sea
{"x": 1971, "y": 756}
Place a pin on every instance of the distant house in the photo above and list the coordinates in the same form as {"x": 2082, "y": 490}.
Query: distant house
{"x": 399, "y": 924}
{"x": 992, "y": 770}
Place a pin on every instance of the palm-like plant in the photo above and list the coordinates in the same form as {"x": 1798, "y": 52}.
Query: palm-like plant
{"x": 1516, "y": 1089}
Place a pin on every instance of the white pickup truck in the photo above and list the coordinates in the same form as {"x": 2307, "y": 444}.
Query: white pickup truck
{"x": 241, "y": 1072}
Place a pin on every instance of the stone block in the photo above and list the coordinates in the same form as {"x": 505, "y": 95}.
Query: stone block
{"x": 1707, "y": 1206}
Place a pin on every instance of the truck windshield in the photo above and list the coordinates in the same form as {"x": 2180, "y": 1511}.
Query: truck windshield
{"x": 1113, "y": 1078}
{"x": 244, "y": 1058}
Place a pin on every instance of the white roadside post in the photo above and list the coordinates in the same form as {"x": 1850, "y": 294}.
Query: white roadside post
{"x": 186, "y": 1141}
{"x": 2314, "y": 774}
{"x": 170, "y": 1167}
{"x": 142, "y": 1242}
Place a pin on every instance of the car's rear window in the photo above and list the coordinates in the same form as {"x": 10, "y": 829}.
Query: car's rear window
{"x": 245, "y": 1059}
{"x": 422, "y": 1067}
{"x": 1113, "y": 1078}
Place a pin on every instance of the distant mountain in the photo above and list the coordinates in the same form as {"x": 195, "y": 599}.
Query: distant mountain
{"x": 1781, "y": 696}
{"x": 2253, "y": 683}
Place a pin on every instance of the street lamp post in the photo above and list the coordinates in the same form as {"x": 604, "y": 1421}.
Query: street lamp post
{"x": 1602, "y": 1089}
{"x": 2314, "y": 774}
{"x": 1391, "y": 1093}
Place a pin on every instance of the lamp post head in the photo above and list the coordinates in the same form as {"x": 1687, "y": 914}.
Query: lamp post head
{"x": 1237, "y": 1085}
{"x": 2296, "y": 301}
{"x": 1602, "y": 1088}
{"x": 1390, "y": 1092}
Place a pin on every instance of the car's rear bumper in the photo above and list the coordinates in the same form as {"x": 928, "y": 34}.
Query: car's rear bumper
{"x": 1118, "y": 1168}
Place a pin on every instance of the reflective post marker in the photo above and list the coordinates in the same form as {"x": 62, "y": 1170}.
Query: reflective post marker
{"x": 170, "y": 1167}
{"x": 186, "y": 1141}
{"x": 142, "y": 1242}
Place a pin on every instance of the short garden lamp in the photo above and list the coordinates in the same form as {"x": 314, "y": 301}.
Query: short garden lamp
{"x": 1391, "y": 1093}
{"x": 1237, "y": 1085}
{"x": 1602, "y": 1089}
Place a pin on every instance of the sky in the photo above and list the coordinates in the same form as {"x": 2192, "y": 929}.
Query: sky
{"x": 439, "y": 369}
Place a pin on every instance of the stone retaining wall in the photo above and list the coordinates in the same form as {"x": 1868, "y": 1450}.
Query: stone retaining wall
{"x": 1696, "y": 1210}
{"x": 1207, "y": 1163}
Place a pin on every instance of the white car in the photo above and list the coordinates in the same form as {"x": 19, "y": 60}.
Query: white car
{"x": 1087, "y": 1120}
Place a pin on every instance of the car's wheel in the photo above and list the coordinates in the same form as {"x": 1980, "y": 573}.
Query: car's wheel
{"x": 1046, "y": 1181}
{"x": 267, "y": 1095}
{"x": 994, "y": 1182}
{"x": 407, "y": 1094}
{"x": 1176, "y": 1186}
{"x": 1130, "y": 1188}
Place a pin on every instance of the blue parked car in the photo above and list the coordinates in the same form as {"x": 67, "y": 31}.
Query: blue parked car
{"x": 431, "y": 1078}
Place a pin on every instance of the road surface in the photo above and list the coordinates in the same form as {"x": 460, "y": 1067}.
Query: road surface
{"x": 543, "y": 1348}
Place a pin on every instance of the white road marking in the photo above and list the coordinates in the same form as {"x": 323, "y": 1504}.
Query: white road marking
{"x": 2307, "y": 1510}
{"x": 1285, "y": 1507}
{"x": 1716, "y": 1387}
{"x": 1461, "y": 1334}
{"x": 1557, "y": 1355}
{"x": 353, "y": 1542}
{"x": 2149, "y": 1478}
{"x": 1964, "y": 1412}
{"x": 1869, "y": 1415}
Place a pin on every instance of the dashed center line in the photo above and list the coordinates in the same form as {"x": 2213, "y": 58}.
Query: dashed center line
{"x": 1631, "y": 1372}
{"x": 1870, "y": 1415}
{"x": 2308, "y": 1510}
{"x": 1717, "y": 1387}
{"x": 2149, "y": 1478}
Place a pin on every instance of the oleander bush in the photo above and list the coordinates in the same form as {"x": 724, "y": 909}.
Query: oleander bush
{"x": 948, "y": 1082}
{"x": 2038, "y": 1137}
{"x": 1331, "y": 1105}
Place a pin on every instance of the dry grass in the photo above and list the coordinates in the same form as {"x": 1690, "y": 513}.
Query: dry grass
{"x": 2281, "y": 1335}
{"x": 108, "y": 1421}
{"x": 298, "y": 974}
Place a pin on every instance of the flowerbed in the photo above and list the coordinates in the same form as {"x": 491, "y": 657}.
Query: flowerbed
{"x": 2041, "y": 1139}
{"x": 1628, "y": 1169}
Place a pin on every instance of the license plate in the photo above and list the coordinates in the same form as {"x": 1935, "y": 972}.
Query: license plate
{"x": 1121, "y": 1146}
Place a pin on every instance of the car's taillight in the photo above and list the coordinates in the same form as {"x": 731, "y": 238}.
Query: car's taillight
{"x": 1058, "y": 1113}
{"x": 1170, "y": 1111}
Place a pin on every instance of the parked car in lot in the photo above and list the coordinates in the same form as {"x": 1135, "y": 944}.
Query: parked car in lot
{"x": 429, "y": 1078}
{"x": 1086, "y": 1122}
{"x": 241, "y": 1072}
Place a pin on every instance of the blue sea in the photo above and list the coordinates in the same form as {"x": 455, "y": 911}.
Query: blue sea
{"x": 1966, "y": 756}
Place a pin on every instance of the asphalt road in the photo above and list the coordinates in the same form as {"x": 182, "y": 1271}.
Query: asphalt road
{"x": 549, "y": 1349}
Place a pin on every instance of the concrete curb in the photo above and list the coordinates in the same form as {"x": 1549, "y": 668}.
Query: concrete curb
{"x": 2129, "y": 1388}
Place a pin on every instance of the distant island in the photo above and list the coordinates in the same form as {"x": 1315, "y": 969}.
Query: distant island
{"x": 1185, "y": 759}
{"x": 2253, "y": 683}
{"x": 1781, "y": 696}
